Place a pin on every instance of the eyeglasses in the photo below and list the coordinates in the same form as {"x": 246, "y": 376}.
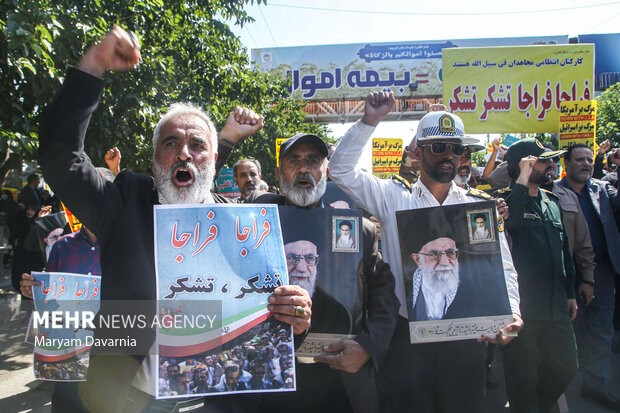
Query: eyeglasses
{"x": 294, "y": 259}
{"x": 440, "y": 147}
{"x": 436, "y": 255}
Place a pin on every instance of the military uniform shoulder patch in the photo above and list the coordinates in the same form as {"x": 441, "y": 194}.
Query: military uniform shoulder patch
{"x": 500, "y": 193}
{"x": 402, "y": 181}
{"x": 479, "y": 194}
{"x": 500, "y": 224}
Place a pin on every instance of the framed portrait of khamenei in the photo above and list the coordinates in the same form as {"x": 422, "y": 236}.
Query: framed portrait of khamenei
{"x": 453, "y": 270}
{"x": 323, "y": 255}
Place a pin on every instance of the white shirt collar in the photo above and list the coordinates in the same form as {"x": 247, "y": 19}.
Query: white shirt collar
{"x": 419, "y": 190}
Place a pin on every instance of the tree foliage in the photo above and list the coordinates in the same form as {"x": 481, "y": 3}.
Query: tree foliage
{"x": 608, "y": 116}
{"x": 189, "y": 54}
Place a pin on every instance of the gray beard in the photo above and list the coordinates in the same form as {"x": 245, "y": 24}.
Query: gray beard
{"x": 198, "y": 192}
{"x": 462, "y": 180}
{"x": 306, "y": 283}
{"x": 444, "y": 283}
{"x": 303, "y": 197}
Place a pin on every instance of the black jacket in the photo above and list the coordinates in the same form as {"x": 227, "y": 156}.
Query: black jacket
{"x": 380, "y": 309}
{"x": 120, "y": 213}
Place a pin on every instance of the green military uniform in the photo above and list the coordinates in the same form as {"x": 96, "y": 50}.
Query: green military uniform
{"x": 541, "y": 362}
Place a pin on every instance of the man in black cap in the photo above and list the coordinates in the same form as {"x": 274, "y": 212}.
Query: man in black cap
{"x": 302, "y": 175}
{"x": 541, "y": 362}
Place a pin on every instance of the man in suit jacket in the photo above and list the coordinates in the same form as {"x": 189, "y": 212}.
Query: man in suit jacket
{"x": 600, "y": 204}
{"x": 302, "y": 175}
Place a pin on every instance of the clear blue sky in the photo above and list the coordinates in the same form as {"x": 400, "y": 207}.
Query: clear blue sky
{"x": 299, "y": 23}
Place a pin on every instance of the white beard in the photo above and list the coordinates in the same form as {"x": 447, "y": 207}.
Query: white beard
{"x": 481, "y": 233}
{"x": 439, "y": 289}
{"x": 48, "y": 249}
{"x": 198, "y": 192}
{"x": 440, "y": 279}
{"x": 303, "y": 197}
{"x": 307, "y": 283}
{"x": 462, "y": 180}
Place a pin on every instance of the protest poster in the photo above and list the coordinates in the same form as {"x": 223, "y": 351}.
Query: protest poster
{"x": 279, "y": 142}
{"x": 226, "y": 185}
{"x": 351, "y": 71}
{"x": 453, "y": 270}
{"x": 324, "y": 249}
{"x": 577, "y": 124}
{"x": 516, "y": 89}
{"x": 386, "y": 157}
{"x": 216, "y": 266}
{"x": 61, "y": 344}
{"x": 49, "y": 229}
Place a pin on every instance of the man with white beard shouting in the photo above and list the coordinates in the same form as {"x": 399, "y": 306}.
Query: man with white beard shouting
{"x": 121, "y": 214}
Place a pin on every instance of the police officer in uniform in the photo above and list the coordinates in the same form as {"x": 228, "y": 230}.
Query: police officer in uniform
{"x": 541, "y": 362}
{"x": 447, "y": 377}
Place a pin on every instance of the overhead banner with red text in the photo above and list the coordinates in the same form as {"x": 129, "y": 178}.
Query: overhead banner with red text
{"x": 516, "y": 89}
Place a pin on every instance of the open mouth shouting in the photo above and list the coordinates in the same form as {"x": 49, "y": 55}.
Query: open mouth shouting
{"x": 304, "y": 181}
{"x": 182, "y": 176}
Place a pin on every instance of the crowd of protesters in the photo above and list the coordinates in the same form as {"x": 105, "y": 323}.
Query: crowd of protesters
{"x": 579, "y": 274}
{"x": 73, "y": 369}
{"x": 259, "y": 359}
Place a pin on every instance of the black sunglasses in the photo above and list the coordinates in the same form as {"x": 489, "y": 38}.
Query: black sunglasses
{"x": 438, "y": 148}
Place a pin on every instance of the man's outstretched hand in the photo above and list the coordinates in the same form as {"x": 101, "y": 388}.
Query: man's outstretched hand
{"x": 118, "y": 51}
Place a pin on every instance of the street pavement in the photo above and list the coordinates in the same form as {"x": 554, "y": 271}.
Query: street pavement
{"x": 20, "y": 392}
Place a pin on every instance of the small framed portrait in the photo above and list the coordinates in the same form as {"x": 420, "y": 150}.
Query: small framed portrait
{"x": 481, "y": 227}
{"x": 345, "y": 234}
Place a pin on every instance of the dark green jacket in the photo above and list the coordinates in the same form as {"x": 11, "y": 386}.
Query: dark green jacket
{"x": 540, "y": 252}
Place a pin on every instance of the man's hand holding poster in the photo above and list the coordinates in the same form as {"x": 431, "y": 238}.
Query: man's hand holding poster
{"x": 216, "y": 268}
{"x": 453, "y": 270}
